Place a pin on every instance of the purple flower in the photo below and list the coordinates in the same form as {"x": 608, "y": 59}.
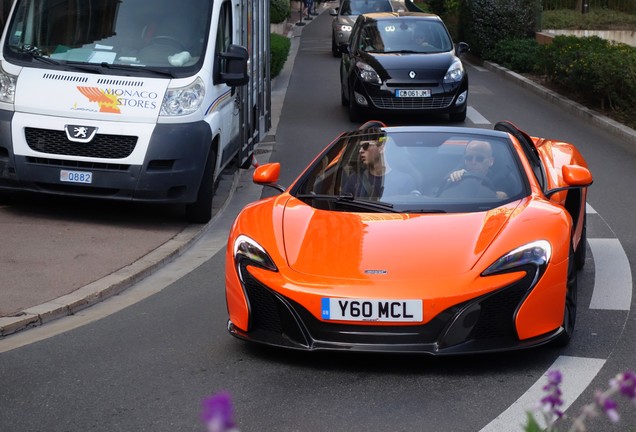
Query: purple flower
{"x": 217, "y": 412}
{"x": 608, "y": 406}
{"x": 552, "y": 400}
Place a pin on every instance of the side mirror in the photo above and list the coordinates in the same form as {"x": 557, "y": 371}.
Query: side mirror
{"x": 462, "y": 48}
{"x": 267, "y": 175}
{"x": 576, "y": 175}
{"x": 333, "y": 12}
{"x": 232, "y": 66}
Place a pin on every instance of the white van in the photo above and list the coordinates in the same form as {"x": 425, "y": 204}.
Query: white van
{"x": 144, "y": 100}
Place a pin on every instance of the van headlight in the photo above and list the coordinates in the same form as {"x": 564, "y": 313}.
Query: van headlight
{"x": 7, "y": 86}
{"x": 183, "y": 100}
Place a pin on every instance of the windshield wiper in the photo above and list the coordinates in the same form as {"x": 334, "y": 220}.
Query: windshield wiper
{"x": 135, "y": 68}
{"x": 349, "y": 199}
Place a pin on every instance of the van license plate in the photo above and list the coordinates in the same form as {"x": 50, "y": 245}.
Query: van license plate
{"x": 413, "y": 93}
{"x": 76, "y": 176}
{"x": 371, "y": 310}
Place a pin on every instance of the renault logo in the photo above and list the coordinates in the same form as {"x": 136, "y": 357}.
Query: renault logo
{"x": 78, "y": 133}
{"x": 412, "y": 74}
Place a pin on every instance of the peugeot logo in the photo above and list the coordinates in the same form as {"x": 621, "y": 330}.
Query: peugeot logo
{"x": 412, "y": 74}
{"x": 78, "y": 133}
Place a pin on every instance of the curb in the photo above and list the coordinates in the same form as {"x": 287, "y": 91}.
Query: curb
{"x": 612, "y": 126}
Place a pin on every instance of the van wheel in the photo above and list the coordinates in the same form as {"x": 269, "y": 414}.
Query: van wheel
{"x": 200, "y": 211}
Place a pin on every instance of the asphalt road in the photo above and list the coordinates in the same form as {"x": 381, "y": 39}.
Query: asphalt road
{"x": 146, "y": 359}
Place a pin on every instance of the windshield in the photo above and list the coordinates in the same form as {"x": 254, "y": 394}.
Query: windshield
{"x": 359, "y": 7}
{"x": 405, "y": 35}
{"x": 158, "y": 33}
{"x": 414, "y": 171}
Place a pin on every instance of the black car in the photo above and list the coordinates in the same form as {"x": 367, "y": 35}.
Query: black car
{"x": 403, "y": 62}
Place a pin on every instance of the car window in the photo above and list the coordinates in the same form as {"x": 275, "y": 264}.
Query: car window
{"x": 415, "y": 172}
{"x": 418, "y": 36}
{"x": 359, "y": 7}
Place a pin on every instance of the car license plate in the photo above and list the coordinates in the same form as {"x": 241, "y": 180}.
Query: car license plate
{"x": 372, "y": 310}
{"x": 76, "y": 176}
{"x": 413, "y": 93}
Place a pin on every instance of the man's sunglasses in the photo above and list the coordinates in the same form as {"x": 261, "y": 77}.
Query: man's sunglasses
{"x": 365, "y": 145}
{"x": 478, "y": 158}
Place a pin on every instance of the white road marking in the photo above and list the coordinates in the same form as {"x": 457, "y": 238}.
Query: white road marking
{"x": 613, "y": 277}
{"x": 578, "y": 373}
{"x": 474, "y": 116}
{"x": 479, "y": 68}
{"x": 589, "y": 209}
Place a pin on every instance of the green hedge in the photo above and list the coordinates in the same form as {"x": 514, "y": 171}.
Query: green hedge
{"x": 603, "y": 71}
{"x": 279, "y": 11}
{"x": 517, "y": 54}
{"x": 279, "y": 51}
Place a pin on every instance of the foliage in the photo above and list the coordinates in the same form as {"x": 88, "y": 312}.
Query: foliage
{"x": 279, "y": 50}
{"x": 623, "y": 384}
{"x": 486, "y": 22}
{"x": 596, "y": 19}
{"x": 603, "y": 71}
{"x": 279, "y": 11}
{"x": 517, "y": 54}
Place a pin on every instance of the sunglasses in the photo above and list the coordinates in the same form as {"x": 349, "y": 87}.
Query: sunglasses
{"x": 478, "y": 158}
{"x": 365, "y": 145}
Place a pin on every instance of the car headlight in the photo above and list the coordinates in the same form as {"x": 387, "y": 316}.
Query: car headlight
{"x": 537, "y": 253}
{"x": 183, "y": 100}
{"x": 455, "y": 72}
{"x": 7, "y": 86}
{"x": 246, "y": 249}
{"x": 343, "y": 27}
{"x": 367, "y": 73}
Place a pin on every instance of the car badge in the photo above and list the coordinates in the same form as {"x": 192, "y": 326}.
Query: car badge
{"x": 78, "y": 133}
{"x": 412, "y": 74}
{"x": 375, "y": 272}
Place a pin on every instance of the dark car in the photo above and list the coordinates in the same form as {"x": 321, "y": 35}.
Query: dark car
{"x": 403, "y": 62}
{"x": 345, "y": 16}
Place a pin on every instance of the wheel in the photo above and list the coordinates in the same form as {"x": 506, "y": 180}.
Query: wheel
{"x": 334, "y": 47}
{"x": 458, "y": 117}
{"x": 167, "y": 40}
{"x": 569, "y": 314}
{"x": 581, "y": 250}
{"x": 200, "y": 211}
{"x": 471, "y": 185}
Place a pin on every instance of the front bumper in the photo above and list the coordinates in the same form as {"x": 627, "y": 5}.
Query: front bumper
{"x": 483, "y": 324}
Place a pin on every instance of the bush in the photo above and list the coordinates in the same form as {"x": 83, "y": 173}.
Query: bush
{"x": 279, "y": 51}
{"x": 279, "y": 11}
{"x": 486, "y": 22}
{"x": 517, "y": 54}
{"x": 596, "y": 19}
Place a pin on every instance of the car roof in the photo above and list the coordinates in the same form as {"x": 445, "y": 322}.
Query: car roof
{"x": 379, "y": 16}
{"x": 445, "y": 129}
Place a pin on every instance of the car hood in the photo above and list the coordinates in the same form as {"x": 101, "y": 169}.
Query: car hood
{"x": 356, "y": 245}
{"x": 346, "y": 19}
{"x": 398, "y": 66}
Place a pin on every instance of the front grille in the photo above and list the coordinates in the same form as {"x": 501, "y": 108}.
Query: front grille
{"x": 412, "y": 103}
{"x": 102, "y": 146}
{"x": 77, "y": 164}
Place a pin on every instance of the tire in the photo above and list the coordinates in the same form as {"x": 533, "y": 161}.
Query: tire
{"x": 581, "y": 250}
{"x": 343, "y": 98}
{"x": 458, "y": 117}
{"x": 334, "y": 48}
{"x": 571, "y": 297}
{"x": 200, "y": 211}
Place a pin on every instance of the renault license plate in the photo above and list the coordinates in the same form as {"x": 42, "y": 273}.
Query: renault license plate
{"x": 372, "y": 310}
{"x": 413, "y": 93}
{"x": 76, "y": 176}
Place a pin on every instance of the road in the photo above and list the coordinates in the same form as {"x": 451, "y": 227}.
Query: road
{"x": 146, "y": 359}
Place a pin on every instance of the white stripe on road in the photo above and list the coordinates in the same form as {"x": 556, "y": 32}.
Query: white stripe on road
{"x": 475, "y": 117}
{"x": 589, "y": 209}
{"x": 613, "y": 276}
{"x": 578, "y": 373}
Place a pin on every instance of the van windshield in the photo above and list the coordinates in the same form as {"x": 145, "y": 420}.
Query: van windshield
{"x": 139, "y": 33}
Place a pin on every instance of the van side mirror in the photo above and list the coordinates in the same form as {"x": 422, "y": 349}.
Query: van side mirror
{"x": 232, "y": 66}
{"x": 462, "y": 48}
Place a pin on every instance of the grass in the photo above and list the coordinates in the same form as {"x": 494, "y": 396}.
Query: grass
{"x": 595, "y": 19}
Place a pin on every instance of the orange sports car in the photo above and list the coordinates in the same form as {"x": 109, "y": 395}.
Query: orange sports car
{"x": 437, "y": 240}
